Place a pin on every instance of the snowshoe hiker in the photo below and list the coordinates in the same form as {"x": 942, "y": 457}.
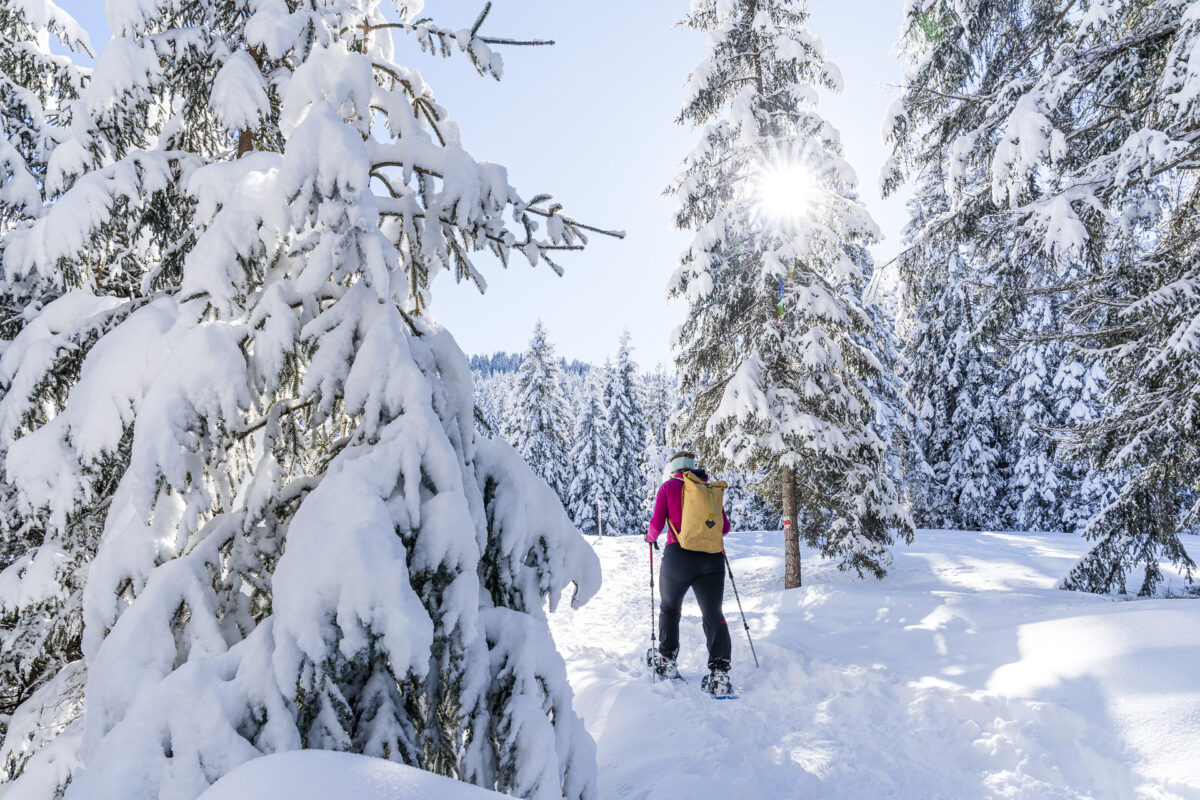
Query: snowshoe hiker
{"x": 664, "y": 667}
{"x": 692, "y": 559}
{"x": 717, "y": 683}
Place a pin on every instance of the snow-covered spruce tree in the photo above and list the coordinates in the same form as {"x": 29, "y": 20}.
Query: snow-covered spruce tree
{"x": 920, "y": 325}
{"x": 1070, "y": 130}
{"x": 957, "y": 376}
{"x": 660, "y": 398}
{"x": 492, "y": 400}
{"x": 1141, "y": 166}
{"x": 593, "y": 489}
{"x": 575, "y": 378}
{"x": 37, "y": 90}
{"x": 299, "y": 539}
{"x": 607, "y": 382}
{"x": 974, "y": 476}
{"x": 628, "y": 425}
{"x": 896, "y": 416}
{"x": 961, "y": 427}
{"x": 747, "y": 509}
{"x": 778, "y": 351}
{"x": 540, "y": 423}
{"x": 1046, "y": 483}
{"x": 1079, "y": 391}
{"x": 39, "y": 603}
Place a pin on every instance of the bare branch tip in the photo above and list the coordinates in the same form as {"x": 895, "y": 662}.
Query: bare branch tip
{"x": 482, "y": 16}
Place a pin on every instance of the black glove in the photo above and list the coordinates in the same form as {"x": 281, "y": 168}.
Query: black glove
{"x": 654, "y": 544}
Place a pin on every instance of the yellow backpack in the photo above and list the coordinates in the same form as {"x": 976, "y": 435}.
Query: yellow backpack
{"x": 702, "y": 521}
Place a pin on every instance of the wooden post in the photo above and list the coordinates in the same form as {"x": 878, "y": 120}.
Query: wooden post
{"x": 791, "y": 533}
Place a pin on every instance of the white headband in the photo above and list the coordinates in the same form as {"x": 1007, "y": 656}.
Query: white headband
{"x": 683, "y": 462}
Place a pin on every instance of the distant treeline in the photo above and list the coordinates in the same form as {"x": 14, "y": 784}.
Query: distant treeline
{"x": 502, "y": 361}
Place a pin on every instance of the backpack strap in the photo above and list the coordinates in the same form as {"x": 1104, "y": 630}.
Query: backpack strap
{"x": 670, "y": 524}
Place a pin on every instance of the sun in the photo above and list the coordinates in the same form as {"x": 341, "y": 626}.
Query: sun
{"x": 785, "y": 192}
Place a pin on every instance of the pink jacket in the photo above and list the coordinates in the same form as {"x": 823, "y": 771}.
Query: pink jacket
{"x": 669, "y": 505}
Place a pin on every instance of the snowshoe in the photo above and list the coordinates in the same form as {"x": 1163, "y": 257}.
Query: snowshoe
{"x": 717, "y": 684}
{"x": 664, "y": 667}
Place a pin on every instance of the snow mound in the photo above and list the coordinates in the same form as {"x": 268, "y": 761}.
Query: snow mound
{"x": 323, "y": 774}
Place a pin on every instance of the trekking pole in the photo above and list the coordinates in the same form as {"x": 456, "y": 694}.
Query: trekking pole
{"x": 745, "y": 624}
{"x": 599, "y": 522}
{"x": 653, "y": 632}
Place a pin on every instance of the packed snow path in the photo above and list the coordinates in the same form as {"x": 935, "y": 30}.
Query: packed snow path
{"x": 964, "y": 674}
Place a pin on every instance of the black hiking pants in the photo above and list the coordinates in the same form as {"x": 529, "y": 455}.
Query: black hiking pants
{"x": 704, "y": 574}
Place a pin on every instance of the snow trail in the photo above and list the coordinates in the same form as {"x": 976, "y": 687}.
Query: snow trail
{"x": 964, "y": 674}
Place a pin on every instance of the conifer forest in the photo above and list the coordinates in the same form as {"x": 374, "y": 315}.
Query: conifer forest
{"x": 269, "y": 530}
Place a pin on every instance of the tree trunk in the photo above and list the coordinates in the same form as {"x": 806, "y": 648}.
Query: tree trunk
{"x": 791, "y": 533}
{"x": 245, "y": 142}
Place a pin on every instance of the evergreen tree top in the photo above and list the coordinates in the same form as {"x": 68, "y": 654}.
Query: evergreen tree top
{"x": 781, "y": 362}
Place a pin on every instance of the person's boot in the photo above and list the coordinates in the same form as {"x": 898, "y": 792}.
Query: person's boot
{"x": 662, "y": 665}
{"x": 717, "y": 682}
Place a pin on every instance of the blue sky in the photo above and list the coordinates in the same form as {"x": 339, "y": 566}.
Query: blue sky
{"x": 591, "y": 121}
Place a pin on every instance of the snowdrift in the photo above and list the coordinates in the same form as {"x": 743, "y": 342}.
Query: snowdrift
{"x": 324, "y": 775}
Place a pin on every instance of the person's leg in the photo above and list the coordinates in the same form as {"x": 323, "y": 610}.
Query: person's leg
{"x": 673, "y": 581}
{"x": 710, "y": 591}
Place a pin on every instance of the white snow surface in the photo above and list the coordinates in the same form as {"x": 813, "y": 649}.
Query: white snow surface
{"x": 321, "y": 774}
{"x": 964, "y": 674}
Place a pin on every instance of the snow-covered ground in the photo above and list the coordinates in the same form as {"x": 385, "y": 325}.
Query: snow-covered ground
{"x": 964, "y": 674}
{"x": 326, "y": 775}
